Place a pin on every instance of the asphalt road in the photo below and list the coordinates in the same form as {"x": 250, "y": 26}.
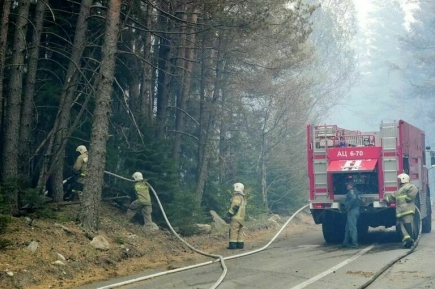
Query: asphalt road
{"x": 305, "y": 261}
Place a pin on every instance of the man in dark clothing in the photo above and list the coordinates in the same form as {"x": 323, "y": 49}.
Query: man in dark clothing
{"x": 351, "y": 205}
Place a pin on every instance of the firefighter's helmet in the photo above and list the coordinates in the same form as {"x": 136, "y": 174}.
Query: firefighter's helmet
{"x": 239, "y": 187}
{"x": 81, "y": 149}
{"x": 137, "y": 176}
{"x": 404, "y": 178}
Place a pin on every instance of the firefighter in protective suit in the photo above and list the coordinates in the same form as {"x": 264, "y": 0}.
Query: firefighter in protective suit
{"x": 405, "y": 207}
{"x": 79, "y": 171}
{"x": 236, "y": 215}
{"x": 142, "y": 202}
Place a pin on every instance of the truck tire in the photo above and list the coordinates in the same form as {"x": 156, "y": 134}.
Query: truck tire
{"x": 363, "y": 228}
{"x": 426, "y": 223}
{"x": 333, "y": 227}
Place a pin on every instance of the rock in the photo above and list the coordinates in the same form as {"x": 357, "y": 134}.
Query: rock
{"x": 151, "y": 227}
{"x": 10, "y": 273}
{"x": 32, "y": 246}
{"x": 275, "y": 218}
{"x": 100, "y": 243}
{"x": 218, "y": 222}
{"x": 204, "y": 228}
{"x": 62, "y": 227}
{"x": 60, "y": 263}
{"x": 61, "y": 257}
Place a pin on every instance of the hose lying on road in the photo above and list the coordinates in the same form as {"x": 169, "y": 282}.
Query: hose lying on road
{"x": 385, "y": 268}
{"x": 220, "y": 258}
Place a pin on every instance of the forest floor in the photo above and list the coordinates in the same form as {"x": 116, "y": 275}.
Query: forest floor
{"x": 64, "y": 257}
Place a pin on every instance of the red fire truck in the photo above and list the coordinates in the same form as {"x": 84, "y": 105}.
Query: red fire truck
{"x": 372, "y": 161}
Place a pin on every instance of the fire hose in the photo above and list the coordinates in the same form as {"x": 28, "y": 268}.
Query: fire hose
{"x": 390, "y": 264}
{"x": 220, "y": 258}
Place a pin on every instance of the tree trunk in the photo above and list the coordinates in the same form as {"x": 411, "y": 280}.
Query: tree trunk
{"x": 66, "y": 100}
{"x": 164, "y": 69}
{"x": 27, "y": 107}
{"x": 146, "y": 88}
{"x": 3, "y": 43}
{"x": 210, "y": 128}
{"x": 186, "y": 80}
{"x": 13, "y": 108}
{"x": 89, "y": 209}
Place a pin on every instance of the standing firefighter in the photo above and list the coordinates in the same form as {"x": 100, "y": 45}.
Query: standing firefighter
{"x": 142, "y": 202}
{"x": 405, "y": 207}
{"x": 79, "y": 171}
{"x": 351, "y": 205}
{"x": 236, "y": 214}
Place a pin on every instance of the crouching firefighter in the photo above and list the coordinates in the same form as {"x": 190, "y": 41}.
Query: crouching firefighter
{"x": 236, "y": 215}
{"x": 405, "y": 207}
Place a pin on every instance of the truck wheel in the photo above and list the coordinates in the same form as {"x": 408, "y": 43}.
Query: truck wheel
{"x": 363, "y": 228}
{"x": 333, "y": 228}
{"x": 426, "y": 223}
{"x": 416, "y": 227}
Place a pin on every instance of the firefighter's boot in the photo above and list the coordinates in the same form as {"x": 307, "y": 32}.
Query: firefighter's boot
{"x": 240, "y": 245}
{"x": 232, "y": 245}
{"x": 408, "y": 242}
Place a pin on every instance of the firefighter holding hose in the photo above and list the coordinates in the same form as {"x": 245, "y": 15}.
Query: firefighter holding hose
{"x": 405, "y": 207}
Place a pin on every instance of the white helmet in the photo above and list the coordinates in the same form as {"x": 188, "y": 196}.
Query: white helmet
{"x": 81, "y": 149}
{"x": 404, "y": 178}
{"x": 239, "y": 187}
{"x": 137, "y": 176}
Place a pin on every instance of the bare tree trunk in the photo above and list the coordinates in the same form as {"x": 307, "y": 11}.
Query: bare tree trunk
{"x": 180, "y": 102}
{"x": 163, "y": 67}
{"x": 13, "y": 107}
{"x": 3, "y": 43}
{"x": 188, "y": 55}
{"x": 11, "y": 136}
{"x": 66, "y": 98}
{"x": 27, "y": 107}
{"x": 90, "y": 206}
{"x": 208, "y": 144}
{"x": 146, "y": 97}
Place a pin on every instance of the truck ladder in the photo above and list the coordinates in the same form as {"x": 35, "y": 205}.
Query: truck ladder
{"x": 320, "y": 161}
{"x": 389, "y": 134}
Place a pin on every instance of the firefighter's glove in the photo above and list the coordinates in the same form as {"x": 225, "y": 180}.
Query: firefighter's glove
{"x": 235, "y": 209}
{"x": 227, "y": 217}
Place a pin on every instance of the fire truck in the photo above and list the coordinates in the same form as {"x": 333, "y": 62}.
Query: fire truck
{"x": 372, "y": 161}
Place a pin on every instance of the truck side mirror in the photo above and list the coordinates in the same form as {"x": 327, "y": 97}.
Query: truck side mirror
{"x": 432, "y": 158}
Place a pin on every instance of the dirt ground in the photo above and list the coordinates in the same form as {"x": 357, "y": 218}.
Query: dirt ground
{"x": 65, "y": 259}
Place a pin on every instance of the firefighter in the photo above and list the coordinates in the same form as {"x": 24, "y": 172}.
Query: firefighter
{"x": 405, "y": 207}
{"x": 236, "y": 217}
{"x": 79, "y": 172}
{"x": 142, "y": 202}
{"x": 351, "y": 206}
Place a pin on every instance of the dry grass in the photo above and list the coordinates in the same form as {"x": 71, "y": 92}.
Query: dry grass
{"x": 132, "y": 250}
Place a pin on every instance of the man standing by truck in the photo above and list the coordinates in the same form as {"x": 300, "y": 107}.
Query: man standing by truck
{"x": 405, "y": 207}
{"x": 351, "y": 205}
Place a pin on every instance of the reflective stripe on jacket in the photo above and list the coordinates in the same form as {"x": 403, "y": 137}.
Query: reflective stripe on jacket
{"x": 238, "y": 200}
{"x": 142, "y": 193}
{"x": 404, "y": 197}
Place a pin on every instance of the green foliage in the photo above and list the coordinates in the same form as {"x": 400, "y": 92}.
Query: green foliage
{"x": 4, "y": 221}
{"x": 119, "y": 240}
{"x": 31, "y": 198}
{"x": 183, "y": 213}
